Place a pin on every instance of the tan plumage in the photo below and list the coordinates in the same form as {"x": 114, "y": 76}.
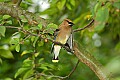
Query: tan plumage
{"x": 63, "y": 33}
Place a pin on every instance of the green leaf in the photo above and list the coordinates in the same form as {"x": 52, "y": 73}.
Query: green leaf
{"x": 61, "y": 4}
{"x": 99, "y": 27}
{"x": 27, "y": 63}
{"x": 14, "y": 41}
{"x": 108, "y": 4}
{"x": 35, "y": 40}
{"x": 51, "y": 28}
{"x": 69, "y": 6}
{"x": 97, "y": 6}
{"x": 46, "y": 66}
{"x": 32, "y": 38}
{"x": 0, "y": 60}
{"x": 43, "y": 67}
{"x": 51, "y": 25}
{"x": 41, "y": 59}
{"x": 25, "y": 52}
{"x": 51, "y": 32}
{"x": 41, "y": 43}
{"x": 40, "y": 26}
{"x": 1, "y": 18}
{"x": 36, "y": 54}
{"x": 117, "y": 47}
{"x": 102, "y": 15}
{"x": 28, "y": 74}
{"x": 117, "y": 5}
{"x": 50, "y": 11}
{"x": 101, "y": 18}
{"x": 7, "y": 78}
{"x": 27, "y": 60}
{"x": 9, "y": 22}
{"x": 6, "y": 53}
{"x": 72, "y": 2}
{"x": 17, "y": 48}
{"x": 52, "y": 66}
{"x": 2, "y": 30}
{"x": 6, "y": 16}
{"x": 23, "y": 19}
{"x": 20, "y": 71}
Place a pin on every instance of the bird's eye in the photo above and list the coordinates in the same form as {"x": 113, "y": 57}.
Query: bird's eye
{"x": 70, "y": 23}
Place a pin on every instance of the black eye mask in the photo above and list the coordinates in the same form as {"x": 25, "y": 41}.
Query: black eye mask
{"x": 70, "y": 23}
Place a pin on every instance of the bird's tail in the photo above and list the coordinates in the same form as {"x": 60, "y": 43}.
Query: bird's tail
{"x": 55, "y": 60}
{"x": 56, "y": 53}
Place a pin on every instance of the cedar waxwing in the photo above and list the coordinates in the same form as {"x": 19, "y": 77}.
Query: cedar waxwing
{"x": 63, "y": 35}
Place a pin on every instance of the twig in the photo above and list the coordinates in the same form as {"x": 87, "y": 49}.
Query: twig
{"x": 88, "y": 25}
{"x": 13, "y": 27}
{"x": 53, "y": 76}
{"x": 25, "y": 38}
{"x": 73, "y": 69}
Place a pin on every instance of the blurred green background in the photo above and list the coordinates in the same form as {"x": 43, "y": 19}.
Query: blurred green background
{"x": 102, "y": 40}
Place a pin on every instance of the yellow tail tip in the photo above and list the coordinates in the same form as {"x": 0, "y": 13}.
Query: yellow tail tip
{"x": 55, "y": 61}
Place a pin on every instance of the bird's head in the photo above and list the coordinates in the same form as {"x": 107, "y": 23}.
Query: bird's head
{"x": 68, "y": 22}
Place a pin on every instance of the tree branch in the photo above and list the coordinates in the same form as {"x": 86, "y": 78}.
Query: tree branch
{"x": 17, "y": 12}
{"x": 88, "y": 25}
{"x": 90, "y": 61}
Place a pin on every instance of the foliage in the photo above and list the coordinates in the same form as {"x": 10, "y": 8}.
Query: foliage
{"x": 24, "y": 55}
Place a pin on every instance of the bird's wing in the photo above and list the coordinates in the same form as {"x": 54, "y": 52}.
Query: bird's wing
{"x": 55, "y": 34}
{"x": 69, "y": 42}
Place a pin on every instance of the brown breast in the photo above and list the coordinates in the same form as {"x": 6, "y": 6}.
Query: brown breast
{"x": 63, "y": 35}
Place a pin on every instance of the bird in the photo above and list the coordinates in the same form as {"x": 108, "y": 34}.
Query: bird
{"x": 63, "y": 35}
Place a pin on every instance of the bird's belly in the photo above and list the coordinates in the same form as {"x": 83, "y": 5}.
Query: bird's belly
{"x": 64, "y": 40}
